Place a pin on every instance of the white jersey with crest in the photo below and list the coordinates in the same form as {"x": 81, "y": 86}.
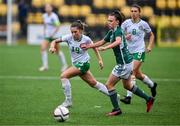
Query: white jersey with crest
{"x": 77, "y": 54}
{"x": 137, "y": 31}
{"x": 51, "y": 22}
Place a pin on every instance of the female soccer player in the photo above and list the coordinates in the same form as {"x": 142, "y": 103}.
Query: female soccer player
{"x": 135, "y": 30}
{"x": 124, "y": 59}
{"x": 80, "y": 60}
{"x": 51, "y": 26}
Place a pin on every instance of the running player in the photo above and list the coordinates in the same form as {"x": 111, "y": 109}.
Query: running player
{"x": 124, "y": 67}
{"x": 51, "y": 27}
{"x": 80, "y": 60}
{"x": 135, "y": 30}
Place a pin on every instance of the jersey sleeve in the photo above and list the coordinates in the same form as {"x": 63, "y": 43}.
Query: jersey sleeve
{"x": 88, "y": 40}
{"x": 118, "y": 33}
{"x": 123, "y": 26}
{"x": 107, "y": 37}
{"x": 146, "y": 28}
{"x": 66, "y": 38}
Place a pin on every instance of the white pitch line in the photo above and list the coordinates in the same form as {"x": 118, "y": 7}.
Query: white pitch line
{"x": 22, "y": 77}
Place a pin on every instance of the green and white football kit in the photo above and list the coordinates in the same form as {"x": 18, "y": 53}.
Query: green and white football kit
{"x": 79, "y": 57}
{"x": 136, "y": 44}
{"x": 123, "y": 69}
{"x": 123, "y": 57}
{"x": 51, "y": 22}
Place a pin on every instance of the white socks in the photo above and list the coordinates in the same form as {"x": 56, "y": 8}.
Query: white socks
{"x": 44, "y": 56}
{"x": 102, "y": 88}
{"x": 67, "y": 88}
{"x": 133, "y": 82}
{"x": 148, "y": 81}
{"x": 62, "y": 58}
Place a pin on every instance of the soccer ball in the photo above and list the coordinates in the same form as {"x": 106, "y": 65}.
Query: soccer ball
{"x": 61, "y": 113}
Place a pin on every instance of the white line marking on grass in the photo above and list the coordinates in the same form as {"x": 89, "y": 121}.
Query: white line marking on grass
{"x": 22, "y": 77}
{"x": 97, "y": 106}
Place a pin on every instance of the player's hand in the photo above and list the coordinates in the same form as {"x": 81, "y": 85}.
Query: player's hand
{"x": 102, "y": 48}
{"x": 101, "y": 64}
{"x": 84, "y": 46}
{"x": 128, "y": 37}
{"x": 148, "y": 50}
{"x": 52, "y": 49}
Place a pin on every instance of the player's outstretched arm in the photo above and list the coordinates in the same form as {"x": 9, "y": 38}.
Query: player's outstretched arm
{"x": 98, "y": 57}
{"x": 94, "y": 45}
{"x": 117, "y": 42}
{"x": 53, "y": 44}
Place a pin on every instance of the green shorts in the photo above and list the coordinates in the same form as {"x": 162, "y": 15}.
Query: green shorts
{"x": 140, "y": 56}
{"x": 83, "y": 67}
{"x": 49, "y": 39}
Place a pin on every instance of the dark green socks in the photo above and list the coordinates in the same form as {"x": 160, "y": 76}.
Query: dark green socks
{"x": 114, "y": 100}
{"x": 139, "y": 93}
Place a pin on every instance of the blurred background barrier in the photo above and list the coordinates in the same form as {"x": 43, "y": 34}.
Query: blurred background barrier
{"x": 162, "y": 15}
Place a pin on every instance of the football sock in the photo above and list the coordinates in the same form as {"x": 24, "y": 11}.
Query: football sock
{"x": 148, "y": 81}
{"x": 62, "y": 58}
{"x": 113, "y": 98}
{"x": 66, "y": 85}
{"x": 44, "y": 56}
{"x": 139, "y": 92}
{"x": 102, "y": 88}
{"x": 129, "y": 93}
{"x": 133, "y": 82}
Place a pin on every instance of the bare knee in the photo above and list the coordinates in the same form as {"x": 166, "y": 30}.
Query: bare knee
{"x": 109, "y": 87}
{"x": 127, "y": 84}
{"x": 139, "y": 76}
{"x": 63, "y": 76}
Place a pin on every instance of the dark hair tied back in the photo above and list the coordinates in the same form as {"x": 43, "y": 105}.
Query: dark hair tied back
{"x": 119, "y": 16}
{"x": 79, "y": 24}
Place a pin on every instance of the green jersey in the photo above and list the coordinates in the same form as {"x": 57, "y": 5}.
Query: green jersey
{"x": 121, "y": 51}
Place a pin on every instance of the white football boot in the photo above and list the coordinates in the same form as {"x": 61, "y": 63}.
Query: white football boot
{"x": 43, "y": 68}
{"x": 67, "y": 103}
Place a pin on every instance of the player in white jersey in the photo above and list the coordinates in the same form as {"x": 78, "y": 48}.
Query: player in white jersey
{"x": 135, "y": 30}
{"x": 80, "y": 61}
{"x": 51, "y": 26}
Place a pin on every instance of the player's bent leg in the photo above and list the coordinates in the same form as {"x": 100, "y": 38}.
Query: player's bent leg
{"x": 66, "y": 85}
{"x": 44, "y": 56}
{"x": 127, "y": 98}
{"x": 62, "y": 58}
{"x": 112, "y": 80}
{"x": 140, "y": 93}
{"x": 88, "y": 78}
{"x": 146, "y": 80}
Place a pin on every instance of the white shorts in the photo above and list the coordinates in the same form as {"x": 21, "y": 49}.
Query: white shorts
{"x": 123, "y": 71}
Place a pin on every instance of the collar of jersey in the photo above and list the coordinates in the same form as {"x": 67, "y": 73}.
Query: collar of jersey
{"x": 135, "y": 22}
{"x": 78, "y": 39}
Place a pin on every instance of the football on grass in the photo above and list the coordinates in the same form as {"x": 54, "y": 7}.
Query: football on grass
{"x": 61, "y": 114}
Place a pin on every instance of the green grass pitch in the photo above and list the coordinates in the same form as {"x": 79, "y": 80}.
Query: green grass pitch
{"x": 28, "y": 97}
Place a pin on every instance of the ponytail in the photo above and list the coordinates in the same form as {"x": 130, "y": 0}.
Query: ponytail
{"x": 119, "y": 16}
{"x": 79, "y": 24}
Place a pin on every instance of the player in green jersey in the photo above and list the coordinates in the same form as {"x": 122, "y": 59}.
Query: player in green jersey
{"x": 124, "y": 67}
{"x": 135, "y": 30}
